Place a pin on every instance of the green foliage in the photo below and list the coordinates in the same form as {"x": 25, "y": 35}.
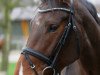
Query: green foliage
{"x": 10, "y": 4}
{"x": 11, "y": 69}
{"x": 7, "y": 5}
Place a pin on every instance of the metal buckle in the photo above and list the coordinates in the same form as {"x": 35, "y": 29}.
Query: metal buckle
{"x": 74, "y": 27}
{"x": 69, "y": 24}
{"x": 49, "y": 68}
{"x": 33, "y": 66}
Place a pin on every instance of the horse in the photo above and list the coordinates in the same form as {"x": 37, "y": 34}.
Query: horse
{"x": 62, "y": 32}
{"x": 1, "y": 43}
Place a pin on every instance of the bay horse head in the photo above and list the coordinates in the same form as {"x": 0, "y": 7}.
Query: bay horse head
{"x": 58, "y": 37}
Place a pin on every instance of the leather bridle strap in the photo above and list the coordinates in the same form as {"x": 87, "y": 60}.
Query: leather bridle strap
{"x": 67, "y": 30}
{"x": 37, "y": 54}
{"x": 75, "y": 28}
{"x": 32, "y": 66}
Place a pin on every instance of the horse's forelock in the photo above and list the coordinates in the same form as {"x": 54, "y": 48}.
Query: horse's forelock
{"x": 56, "y": 3}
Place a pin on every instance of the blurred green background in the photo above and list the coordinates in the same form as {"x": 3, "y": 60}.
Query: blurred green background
{"x": 11, "y": 69}
{"x": 15, "y": 16}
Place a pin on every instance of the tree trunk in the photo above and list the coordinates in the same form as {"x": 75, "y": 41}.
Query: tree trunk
{"x": 7, "y": 36}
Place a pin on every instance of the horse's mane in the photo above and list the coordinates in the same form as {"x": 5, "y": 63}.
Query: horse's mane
{"x": 91, "y": 8}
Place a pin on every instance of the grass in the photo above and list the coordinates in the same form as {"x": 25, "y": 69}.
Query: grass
{"x": 11, "y": 69}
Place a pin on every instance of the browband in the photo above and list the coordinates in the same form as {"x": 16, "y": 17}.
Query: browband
{"x": 53, "y": 9}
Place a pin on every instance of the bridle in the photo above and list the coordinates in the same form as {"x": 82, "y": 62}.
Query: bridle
{"x": 51, "y": 62}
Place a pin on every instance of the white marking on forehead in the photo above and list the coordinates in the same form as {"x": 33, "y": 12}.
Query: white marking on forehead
{"x": 21, "y": 69}
{"x": 37, "y": 22}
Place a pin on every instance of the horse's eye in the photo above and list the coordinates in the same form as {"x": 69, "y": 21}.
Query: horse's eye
{"x": 52, "y": 28}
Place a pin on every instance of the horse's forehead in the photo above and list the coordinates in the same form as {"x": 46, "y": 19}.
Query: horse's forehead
{"x": 50, "y": 17}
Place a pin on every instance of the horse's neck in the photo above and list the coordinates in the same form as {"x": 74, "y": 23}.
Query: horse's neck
{"x": 90, "y": 25}
{"x": 93, "y": 32}
{"x": 90, "y": 56}
{"x": 90, "y": 59}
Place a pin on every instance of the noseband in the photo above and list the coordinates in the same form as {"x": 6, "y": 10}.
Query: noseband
{"x": 51, "y": 62}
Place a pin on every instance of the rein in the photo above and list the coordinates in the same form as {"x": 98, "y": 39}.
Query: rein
{"x": 51, "y": 62}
